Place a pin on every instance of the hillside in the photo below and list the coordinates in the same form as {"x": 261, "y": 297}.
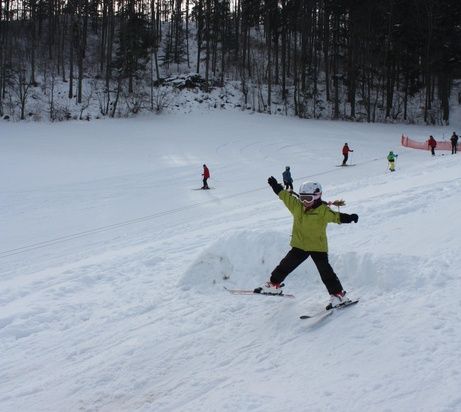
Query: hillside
{"x": 113, "y": 268}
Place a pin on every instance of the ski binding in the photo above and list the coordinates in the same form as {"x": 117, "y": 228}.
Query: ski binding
{"x": 331, "y": 310}
{"x": 252, "y": 292}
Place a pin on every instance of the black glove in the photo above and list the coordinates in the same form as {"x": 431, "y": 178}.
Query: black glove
{"x": 276, "y": 186}
{"x": 345, "y": 218}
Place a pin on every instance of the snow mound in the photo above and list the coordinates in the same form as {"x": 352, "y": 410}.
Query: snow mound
{"x": 382, "y": 274}
{"x": 240, "y": 259}
{"x": 245, "y": 259}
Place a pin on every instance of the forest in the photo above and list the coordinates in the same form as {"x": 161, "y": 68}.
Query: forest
{"x": 373, "y": 61}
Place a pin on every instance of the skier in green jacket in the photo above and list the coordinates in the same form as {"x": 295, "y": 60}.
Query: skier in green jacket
{"x": 391, "y": 159}
{"x": 311, "y": 216}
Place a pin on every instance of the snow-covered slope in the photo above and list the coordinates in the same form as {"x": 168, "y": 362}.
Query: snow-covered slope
{"x": 112, "y": 268}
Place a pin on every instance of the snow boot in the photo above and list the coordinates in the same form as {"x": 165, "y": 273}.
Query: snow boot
{"x": 337, "y": 299}
{"x": 270, "y": 288}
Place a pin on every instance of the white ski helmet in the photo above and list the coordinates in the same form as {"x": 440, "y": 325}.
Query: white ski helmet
{"x": 310, "y": 188}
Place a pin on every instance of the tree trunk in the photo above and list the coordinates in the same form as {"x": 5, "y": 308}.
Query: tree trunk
{"x": 71, "y": 57}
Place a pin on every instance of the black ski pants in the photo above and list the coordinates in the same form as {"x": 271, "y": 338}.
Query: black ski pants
{"x": 346, "y": 156}
{"x": 297, "y": 256}
{"x": 288, "y": 185}
{"x": 454, "y": 148}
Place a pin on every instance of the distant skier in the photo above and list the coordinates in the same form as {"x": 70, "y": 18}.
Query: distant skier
{"x": 287, "y": 179}
{"x": 206, "y": 176}
{"x": 311, "y": 216}
{"x": 346, "y": 151}
{"x": 432, "y": 143}
{"x": 454, "y": 143}
{"x": 391, "y": 159}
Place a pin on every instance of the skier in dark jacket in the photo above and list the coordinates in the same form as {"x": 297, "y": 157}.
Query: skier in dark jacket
{"x": 432, "y": 143}
{"x": 310, "y": 219}
{"x": 454, "y": 143}
{"x": 287, "y": 179}
{"x": 346, "y": 151}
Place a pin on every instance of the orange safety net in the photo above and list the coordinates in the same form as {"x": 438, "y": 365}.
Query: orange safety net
{"x": 441, "y": 145}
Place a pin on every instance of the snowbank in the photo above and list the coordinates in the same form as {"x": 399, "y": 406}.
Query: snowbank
{"x": 244, "y": 259}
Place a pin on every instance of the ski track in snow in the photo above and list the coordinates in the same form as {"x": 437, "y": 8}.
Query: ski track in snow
{"x": 136, "y": 318}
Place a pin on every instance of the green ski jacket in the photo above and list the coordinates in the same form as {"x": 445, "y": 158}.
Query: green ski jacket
{"x": 309, "y": 231}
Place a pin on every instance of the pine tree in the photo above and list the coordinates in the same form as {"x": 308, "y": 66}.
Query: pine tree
{"x": 134, "y": 41}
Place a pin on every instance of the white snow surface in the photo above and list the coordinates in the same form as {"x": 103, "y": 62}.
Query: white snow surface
{"x": 112, "y": 268}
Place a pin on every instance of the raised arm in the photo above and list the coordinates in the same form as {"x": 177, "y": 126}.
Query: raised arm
{"x": 276, "y": 186}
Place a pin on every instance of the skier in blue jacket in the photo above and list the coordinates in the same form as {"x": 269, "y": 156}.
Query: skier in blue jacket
{"x": 287, "y": 179}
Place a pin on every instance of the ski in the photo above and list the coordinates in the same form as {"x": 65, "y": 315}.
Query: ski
{"x": 329, "y": 311}
{"x": 210, "y": 188}
{"x": 252, "y": 292}
{"x": 346, "y": 165}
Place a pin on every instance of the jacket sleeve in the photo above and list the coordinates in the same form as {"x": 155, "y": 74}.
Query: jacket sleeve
{"x": 291, "y": 202}
{"x": 331, "y": 216}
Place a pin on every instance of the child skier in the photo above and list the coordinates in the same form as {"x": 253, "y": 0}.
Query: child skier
{"x": 310, "y": 219}
{"x": 391, "y": 159}
{"x": 287, "y": 179}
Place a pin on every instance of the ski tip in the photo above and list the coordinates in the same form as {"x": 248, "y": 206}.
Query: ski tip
{"x": 305, "y": 317}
